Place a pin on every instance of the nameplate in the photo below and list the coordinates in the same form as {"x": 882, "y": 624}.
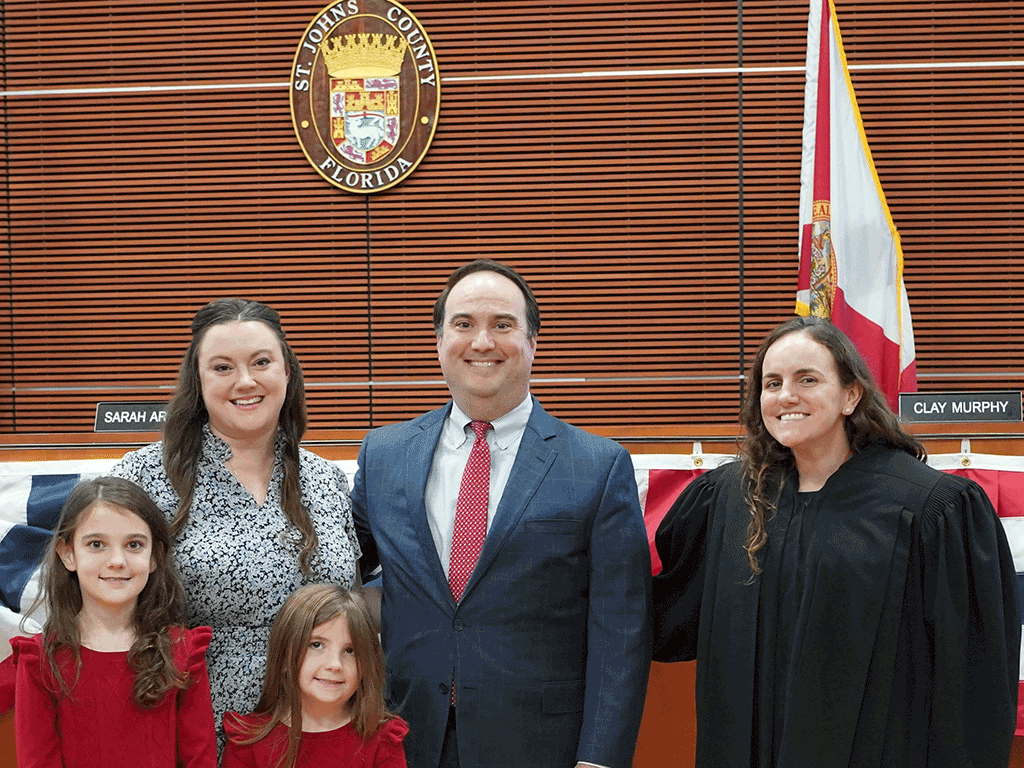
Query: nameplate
{"x": 948, "y": 407}
{"x": 130, "y": 417}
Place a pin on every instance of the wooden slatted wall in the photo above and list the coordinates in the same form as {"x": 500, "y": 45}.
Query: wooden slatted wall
{"x": 611, "y": 151}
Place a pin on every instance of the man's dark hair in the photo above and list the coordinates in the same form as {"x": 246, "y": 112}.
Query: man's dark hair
{"x": 489, "y": 265}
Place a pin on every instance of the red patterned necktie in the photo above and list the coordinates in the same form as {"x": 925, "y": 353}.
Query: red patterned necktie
{"x": 470, "y": 512}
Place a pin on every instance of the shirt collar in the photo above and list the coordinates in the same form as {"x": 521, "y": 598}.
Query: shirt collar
{"x": 507, "y": 429}
{"x": 218, "y": 451}
{"x": 215, "y": 449}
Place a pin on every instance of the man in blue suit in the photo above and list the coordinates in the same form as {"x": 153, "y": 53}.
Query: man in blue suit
{"x": 542, "y": 660}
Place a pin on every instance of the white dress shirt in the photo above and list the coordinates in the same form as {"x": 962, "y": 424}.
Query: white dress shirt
{"x": 450, "y": 459}
{"x": 449, "y": 462}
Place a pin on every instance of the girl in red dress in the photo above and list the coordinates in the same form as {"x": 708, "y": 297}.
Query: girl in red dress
{"x": 112, "y": 680}
{"x": 323, "y": 692}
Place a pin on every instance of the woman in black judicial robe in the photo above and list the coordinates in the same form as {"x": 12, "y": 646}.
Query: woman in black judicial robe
{"x": 848, "y": 606}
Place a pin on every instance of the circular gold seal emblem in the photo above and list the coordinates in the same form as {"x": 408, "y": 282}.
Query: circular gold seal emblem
{"x": 365, "y": 94}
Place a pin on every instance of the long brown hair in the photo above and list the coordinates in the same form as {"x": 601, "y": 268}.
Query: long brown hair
{"x": 305, "y": 609}
{"x": 766, "y": 462}
{"x": 159, "y": 606}
{"x": 187, "y": 415}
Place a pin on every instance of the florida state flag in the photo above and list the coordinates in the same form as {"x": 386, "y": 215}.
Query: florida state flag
{"x": 851, "y": 262}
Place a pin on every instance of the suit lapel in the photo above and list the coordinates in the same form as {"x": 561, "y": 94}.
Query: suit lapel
{"x": 419, "y": 455}
{"x": 536, "y": 454}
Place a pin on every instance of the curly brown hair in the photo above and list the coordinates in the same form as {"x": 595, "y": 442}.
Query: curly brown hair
{"x": 766, "y": 462}
{"x": 160, "y": 605}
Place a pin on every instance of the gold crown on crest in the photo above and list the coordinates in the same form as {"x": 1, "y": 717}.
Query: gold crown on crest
{"x": 364, "y": 55}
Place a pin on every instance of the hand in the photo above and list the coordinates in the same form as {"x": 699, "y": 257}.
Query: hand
{"x": 372, "y": 597}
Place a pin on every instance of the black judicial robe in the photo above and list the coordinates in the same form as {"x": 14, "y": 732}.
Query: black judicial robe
{"x": 884, "y": 629}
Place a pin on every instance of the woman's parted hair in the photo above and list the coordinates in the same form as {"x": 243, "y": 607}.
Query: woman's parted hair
{"x": 159, "y": 606}
{"x": 187, "y": 415}
{"x": 304, "y": 610}
{"x": 766, "y": 461}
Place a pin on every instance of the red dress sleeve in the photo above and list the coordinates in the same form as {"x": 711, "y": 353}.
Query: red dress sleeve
{"x": 266, "y": 753}
{"x": 8, "y": 673}
{"x": 36, "y": 737}
{"x": 237, "y": 755}
{"x": 197, "y": 740}
{"x": 390, "y": 752}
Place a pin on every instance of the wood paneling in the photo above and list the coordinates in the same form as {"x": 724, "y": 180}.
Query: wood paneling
{"x": 610, "y": 151}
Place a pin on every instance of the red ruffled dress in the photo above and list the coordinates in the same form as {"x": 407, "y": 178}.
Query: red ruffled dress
{"x": 100, "y": 724}
{"x": 7, "y": 676}
{"x": 342, "y": 746}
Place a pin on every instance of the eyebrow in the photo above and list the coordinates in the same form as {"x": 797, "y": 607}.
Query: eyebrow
{"x": 142, "y": 536}
{"x": 496, "y": 316}
{"x": 257, "y": 353}
{"x": 769, "y": 374}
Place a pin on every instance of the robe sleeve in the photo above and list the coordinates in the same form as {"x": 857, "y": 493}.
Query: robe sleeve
{"x": 971, "y": 617}
{"x": 681, "y": 541}
{"x": 36, "y": 735}
{"x": 197, "y": 740}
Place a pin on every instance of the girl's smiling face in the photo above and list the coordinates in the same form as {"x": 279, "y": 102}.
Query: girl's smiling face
{"x": 329, "y": 675}
{"x": 111, "y": 551}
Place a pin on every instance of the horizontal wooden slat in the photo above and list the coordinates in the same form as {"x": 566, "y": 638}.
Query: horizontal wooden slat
{"x": 646, "y": 189}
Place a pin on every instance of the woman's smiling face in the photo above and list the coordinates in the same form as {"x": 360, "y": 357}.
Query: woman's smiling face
{"x": 804, "y": 404}
{"x": 243, "y": 378}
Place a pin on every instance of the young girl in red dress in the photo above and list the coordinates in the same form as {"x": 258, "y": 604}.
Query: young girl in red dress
{"x": 112, "y": 680}
{"x": 323, "y": 692}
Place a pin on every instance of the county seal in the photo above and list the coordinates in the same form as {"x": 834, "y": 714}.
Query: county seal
{"x": 365, "y": 94}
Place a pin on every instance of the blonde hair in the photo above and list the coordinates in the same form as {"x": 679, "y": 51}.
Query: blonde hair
{"x": 305, "y": 609}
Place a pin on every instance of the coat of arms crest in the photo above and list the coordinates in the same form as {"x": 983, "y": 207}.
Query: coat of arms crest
{"x": 365, "y": 94}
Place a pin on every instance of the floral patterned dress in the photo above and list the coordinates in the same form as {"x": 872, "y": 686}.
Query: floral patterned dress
{"x": 238, "y": 559}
